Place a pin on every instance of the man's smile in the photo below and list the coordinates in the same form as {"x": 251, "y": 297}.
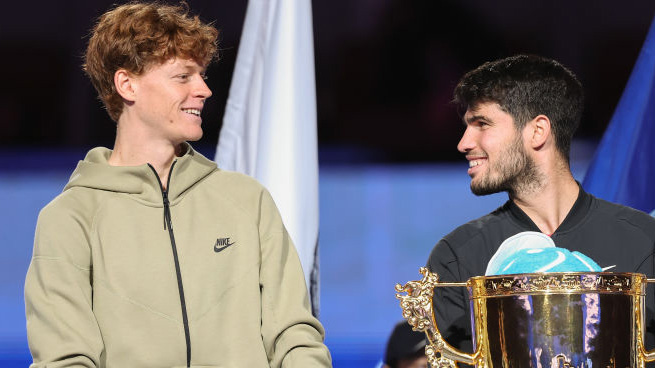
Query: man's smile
{"x": 195, "y": 112}
{"x": 475, "y": 162}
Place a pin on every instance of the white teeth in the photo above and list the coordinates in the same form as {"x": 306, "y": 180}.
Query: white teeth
{"x": 474, "y": 163}
{"x": 195, "y": 112}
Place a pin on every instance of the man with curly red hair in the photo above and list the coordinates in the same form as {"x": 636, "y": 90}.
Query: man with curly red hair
{"x": 152, "y": 256}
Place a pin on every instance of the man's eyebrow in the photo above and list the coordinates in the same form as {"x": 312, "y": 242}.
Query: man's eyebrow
{"x": 193, "y": 68}
{"x": 473, "y": 118}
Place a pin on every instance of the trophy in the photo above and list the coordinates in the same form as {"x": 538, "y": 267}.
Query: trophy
{"x": 547, "y": 320}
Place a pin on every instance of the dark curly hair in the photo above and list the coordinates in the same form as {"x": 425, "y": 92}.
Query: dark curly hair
{"x": 526, "y": 86}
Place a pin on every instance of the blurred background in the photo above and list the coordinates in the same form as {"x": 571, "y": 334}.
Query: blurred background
{"x": 391, "y": 180}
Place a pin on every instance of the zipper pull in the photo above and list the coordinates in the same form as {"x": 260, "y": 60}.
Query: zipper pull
{"x": 167, "y": 213}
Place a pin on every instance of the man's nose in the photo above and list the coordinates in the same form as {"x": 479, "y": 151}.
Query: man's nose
{"x": 202, "y": 90}
{"x": 467, "y": 143}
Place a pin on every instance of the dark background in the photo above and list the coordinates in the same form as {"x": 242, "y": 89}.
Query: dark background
{"x": 385, "y": 69}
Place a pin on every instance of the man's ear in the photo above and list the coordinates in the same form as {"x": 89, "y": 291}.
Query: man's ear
{"x": 124, "y": 83}
{"x": 538, "y": 130}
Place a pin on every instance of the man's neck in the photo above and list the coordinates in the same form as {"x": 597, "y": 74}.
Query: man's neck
{"x": 133, "y": 148}
{"x": 548, "y": 205}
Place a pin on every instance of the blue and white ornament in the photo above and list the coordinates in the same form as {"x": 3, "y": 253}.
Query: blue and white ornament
{"x": 532, "y": 252}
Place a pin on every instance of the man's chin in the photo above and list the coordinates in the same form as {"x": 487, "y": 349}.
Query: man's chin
{"x": 196, "y": 137}
{"x": 485, "y": 189}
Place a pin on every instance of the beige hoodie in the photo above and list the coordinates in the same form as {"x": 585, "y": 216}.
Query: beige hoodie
{"x": 102, "y": 288}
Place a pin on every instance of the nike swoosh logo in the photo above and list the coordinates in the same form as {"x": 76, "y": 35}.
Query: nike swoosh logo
{"x": 219, "y": 248}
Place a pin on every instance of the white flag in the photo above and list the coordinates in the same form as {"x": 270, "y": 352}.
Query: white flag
{"x": 269, "y": 126}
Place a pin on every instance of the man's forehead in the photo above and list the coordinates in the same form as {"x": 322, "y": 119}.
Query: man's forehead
{"x": 482, "y": 106}
{"x": 488, "y": 112}
{"x": 186, "y": 62}
{"x": 481, "y": 109}
{"x": 177, "y": 63}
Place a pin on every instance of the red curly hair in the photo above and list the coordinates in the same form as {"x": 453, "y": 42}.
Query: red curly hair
{"x": 138, "y": 35}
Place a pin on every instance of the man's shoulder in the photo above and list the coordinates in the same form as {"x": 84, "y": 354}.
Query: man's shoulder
{"x": 473, "y": 231}
{"x": 68, "y": 215}
{"x": 471, "y": 245}
{"x": 73, "y": 201}
{"x": 240, "y": 191}
{"x": 626, "y": 216}
{"x": 234, "y": 180}
{"x": 234, "y": 187}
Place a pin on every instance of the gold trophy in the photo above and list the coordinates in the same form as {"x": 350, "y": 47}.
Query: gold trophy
{"x": 547, "y": 320}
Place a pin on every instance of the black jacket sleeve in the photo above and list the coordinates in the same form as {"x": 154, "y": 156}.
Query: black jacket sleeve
{"x": 450, "y": 304}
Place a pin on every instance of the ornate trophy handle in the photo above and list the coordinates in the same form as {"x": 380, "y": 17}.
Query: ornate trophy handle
{"x": 649, "y": 356}
{"x": 417, "y": 309}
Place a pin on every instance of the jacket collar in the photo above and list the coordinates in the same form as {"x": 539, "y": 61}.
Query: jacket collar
{"x": 140, "y": 181}
{"x": 577, "y": 213}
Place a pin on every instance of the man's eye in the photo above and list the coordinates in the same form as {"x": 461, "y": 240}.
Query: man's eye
{"x": 183, "y": 76}
{"x": 204, "y": 76}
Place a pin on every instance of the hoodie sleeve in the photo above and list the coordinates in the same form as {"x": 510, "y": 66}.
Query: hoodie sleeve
{"x": 61, "y": 328}
{"x": 292, "y": 336}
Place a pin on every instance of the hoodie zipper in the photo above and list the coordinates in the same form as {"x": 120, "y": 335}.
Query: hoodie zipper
{"x": 168, "y": 224}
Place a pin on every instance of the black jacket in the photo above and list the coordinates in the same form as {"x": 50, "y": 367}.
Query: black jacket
{"x": 609, "y": 233}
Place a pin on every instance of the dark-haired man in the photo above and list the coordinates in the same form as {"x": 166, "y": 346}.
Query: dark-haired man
{"x": 152, "y": 256}
{"x": 521, "y": 113}
{"x": 405, "y": 348}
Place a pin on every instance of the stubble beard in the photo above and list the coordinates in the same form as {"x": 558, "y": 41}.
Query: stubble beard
{"x": 513, "y": 172}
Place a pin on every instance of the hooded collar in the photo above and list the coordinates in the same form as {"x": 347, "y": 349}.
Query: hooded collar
{"x": 95, "y": 173}
{"x": 574, "y": 217}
